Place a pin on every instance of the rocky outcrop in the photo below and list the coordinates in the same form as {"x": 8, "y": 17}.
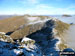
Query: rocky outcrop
{"x": 25, "y": 47}
{"x": 5, "y": 38}
{"x": 9, "y": 49}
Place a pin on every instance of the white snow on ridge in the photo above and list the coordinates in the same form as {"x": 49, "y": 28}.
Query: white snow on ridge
{"x": 18, "y": 51}
{"x": 32, "y": 18}
{"x": 2, "y": 33}
{"x": 26, "y": 39}
{"x": 58, "y": 42}
{"x": 40, "y": 21}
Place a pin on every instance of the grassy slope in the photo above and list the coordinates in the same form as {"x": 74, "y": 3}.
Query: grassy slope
{"x": 61, "y": 29}
{"x": 11, "y": 24}
{"x": 26, "y": 30}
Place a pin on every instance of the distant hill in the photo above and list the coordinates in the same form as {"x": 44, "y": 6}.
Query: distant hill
{"x": 5, "y": 16}
{"x": 65, "y": 15}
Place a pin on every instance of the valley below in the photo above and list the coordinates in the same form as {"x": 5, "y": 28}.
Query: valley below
{"x": 70, "y": 36}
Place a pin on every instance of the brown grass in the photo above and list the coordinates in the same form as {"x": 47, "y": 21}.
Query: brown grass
{"x": 61, "y": 27}
{"x": 11, "y": 24}
{"x": 61, "y": 30}
{"x": 26, "y": 30}
{"x": 62, "y": 46}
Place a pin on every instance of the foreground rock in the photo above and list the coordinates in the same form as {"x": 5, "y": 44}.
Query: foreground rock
{"x": 5, "y": 38}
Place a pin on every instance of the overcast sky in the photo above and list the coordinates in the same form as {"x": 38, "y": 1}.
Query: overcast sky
{"x": 37, "y": 7}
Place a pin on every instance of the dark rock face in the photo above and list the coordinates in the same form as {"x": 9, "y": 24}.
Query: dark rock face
{"x": 50, "y": 23}
{"x": 68, "y": 50}
{"x": 45, "y": 33}
{"x": 45, "y": 38}
{"x": 9, "y": 33}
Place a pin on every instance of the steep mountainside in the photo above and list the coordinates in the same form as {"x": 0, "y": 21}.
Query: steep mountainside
{"x": 13, "y": 23}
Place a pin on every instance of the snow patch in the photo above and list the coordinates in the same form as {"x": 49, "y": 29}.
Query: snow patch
{"x": 40, "y": 21}
{"x": 32, "y": 18}
{"x": 58, "y": 42}
{"x": 18, "y": 51}
{"x": 2, "y": 33}
{"x": 25, "y": 39}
